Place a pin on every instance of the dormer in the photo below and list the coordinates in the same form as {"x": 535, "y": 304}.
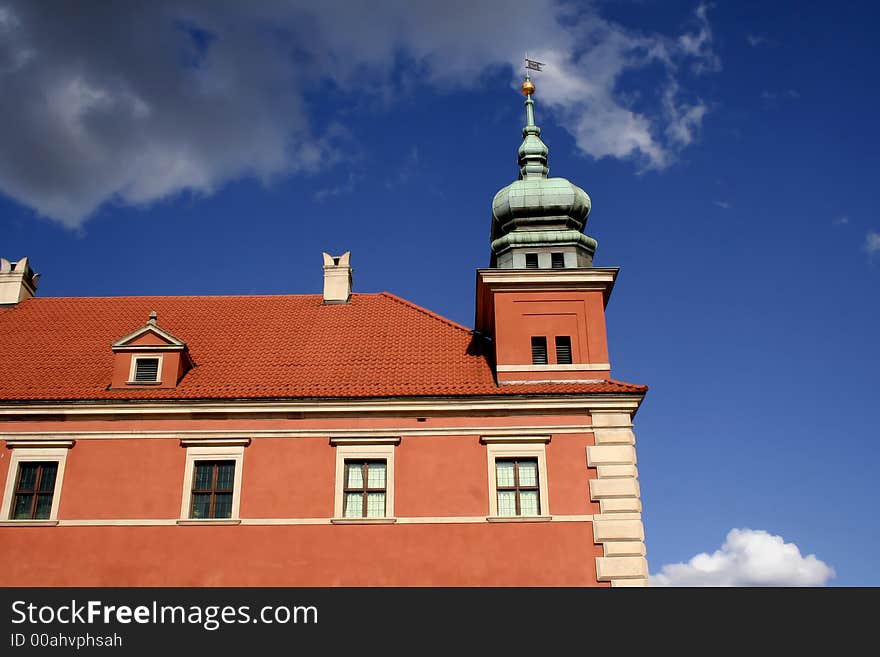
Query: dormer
{"x": 150, "y": 357}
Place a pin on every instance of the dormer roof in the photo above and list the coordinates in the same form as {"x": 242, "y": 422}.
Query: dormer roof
{"x": 149, "y": 337}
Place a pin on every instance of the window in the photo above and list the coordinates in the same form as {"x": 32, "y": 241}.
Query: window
{"x": 212, "y": 489}
{"x": 517, "y": 477}
{"x": 563, "y": 350}
{"x": 145, "y": 369}
{"x": 531, "y": 260}
{"x": 364, "y": 489}
{"x": 539, "y": 350}
{"x": 34, "y": 480}
{"x": 364, "y": 479}
{"x": 557, "y": 260}
{"x": 212, "y": 480}
{"x": 34, "y": 490}
{"x": 516, "y": 482}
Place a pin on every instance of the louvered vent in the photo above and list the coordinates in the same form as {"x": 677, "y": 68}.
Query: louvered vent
{"x": 146, "y": 370}
{"x": 539, "y": 350}
{"x": 557, "y": 260}
{"x": 531, "y": 260}
{"x": 563, "y": 350}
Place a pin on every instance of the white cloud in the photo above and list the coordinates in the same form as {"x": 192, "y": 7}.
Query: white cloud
{"x": 724, "y": 205}
{"x": 872, "y": 242}
{"x": 132, "y": 103}
{"x": 842, "y": 220}
{"x": 748, "y": 558}
{"x": 756, "y": 40}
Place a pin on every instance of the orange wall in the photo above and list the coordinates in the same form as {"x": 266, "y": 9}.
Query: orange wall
{"x": 294, "y": 477}
{"x": 520, "y": 315}
{"x": 512, "y": 554}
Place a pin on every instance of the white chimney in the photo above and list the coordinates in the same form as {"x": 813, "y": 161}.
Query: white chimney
{"x": 337, "y": 278}
{"x": 17, "y": 281}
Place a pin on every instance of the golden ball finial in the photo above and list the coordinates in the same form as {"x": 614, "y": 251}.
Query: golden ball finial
{"x": 528, "y": 88}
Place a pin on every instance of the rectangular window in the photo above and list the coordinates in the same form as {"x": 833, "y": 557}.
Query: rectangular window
{"x": 34, "y": 490}
{"x": 517, "y": 488}
{"x": 146, "y": 370}
{"x": 365, "y": 486}
{"x": 531, "y": 260}
{"x": 557, "y": 260}
{"x": 212, "y": 489}
{"x": 539, "y": 350}
{"x": 563, "y": 350}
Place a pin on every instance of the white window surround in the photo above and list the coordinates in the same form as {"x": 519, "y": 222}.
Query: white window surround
{"x": 364, "y": 449}
{"x": 24, "y": 453}
{"x": 133, "y": 369}
{"x": 213, "y": 452}
{"x": 521, "y": 446}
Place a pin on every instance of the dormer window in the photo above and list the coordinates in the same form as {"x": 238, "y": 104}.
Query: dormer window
{"x": 145, "y": 369}
{"x": 149, "y": 357}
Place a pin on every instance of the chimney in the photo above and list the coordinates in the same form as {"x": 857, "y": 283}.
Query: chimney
{"x": 337, "y": 278}
{"x": 17, "y": 281}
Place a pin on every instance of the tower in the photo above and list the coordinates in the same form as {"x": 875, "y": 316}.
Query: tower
{"x": 542, "y": 303}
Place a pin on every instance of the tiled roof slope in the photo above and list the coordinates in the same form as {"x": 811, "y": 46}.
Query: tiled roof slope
{"x": 254, "y": 347}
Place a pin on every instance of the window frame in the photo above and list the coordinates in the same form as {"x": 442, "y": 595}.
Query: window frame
{"x": 363, "y": 449}
{"x": 133, "y": 369}
{"x": 517, "y": 487}
{"x": 517, "y": 447}
{"x": 535, "y": 341}
{"x": 556, "y": 340}
{"x": 213, "y": 491}
{"x": 365, "y": 490}
{"x": 232, "y": 450}
{"x": 22, "y": 454}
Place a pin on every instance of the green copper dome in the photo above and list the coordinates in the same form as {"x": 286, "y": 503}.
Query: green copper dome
{"x": 537, "y": 212}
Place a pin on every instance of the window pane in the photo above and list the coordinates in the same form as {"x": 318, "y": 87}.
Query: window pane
{"x": 27, "y": 477}
{"x": 528, "y": 503}
{"x": 47, "y": 481}
{"x": 506, "y": 503}
{"x": 375, "y": 505}
{"x": 223, "y": 505}
{"x": 201, "y": 507}
{"x": 376, "y": 475}
{"x": 504, "y": 473}
{"x": 355, "y": 476}
{"x": 354, "y": 505}
{"x": 22, "y": 509}
{"x": 44, "y": 506}
{"x": 203, "y": 474}
{"x": 528, "y": 473}
{"x": 225, "y": 475}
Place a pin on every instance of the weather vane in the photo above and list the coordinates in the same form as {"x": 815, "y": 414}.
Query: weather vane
{"x": 533, "y": 64}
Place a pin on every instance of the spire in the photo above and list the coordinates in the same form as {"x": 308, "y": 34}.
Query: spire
{"x": 538, "y": 221}
{"x": 532, "y": 152}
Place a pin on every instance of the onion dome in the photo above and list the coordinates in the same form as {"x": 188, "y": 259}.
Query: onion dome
{"x": 537, "y": 214}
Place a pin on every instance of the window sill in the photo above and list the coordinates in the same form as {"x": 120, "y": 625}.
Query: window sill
{"x": 209, "y": 521}
{"x": 519, "y": 518}
{"x": 143, "y": 383}
{"x": 28, "y": 523}
{"x": 363, "y": 521}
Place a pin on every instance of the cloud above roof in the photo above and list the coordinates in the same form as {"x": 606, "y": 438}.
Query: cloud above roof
{"x": 748, "y": 557}
{"x": 133, "y": 103}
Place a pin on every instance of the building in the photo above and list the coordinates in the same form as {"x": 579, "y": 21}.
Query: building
{"x": 334, "y": 439}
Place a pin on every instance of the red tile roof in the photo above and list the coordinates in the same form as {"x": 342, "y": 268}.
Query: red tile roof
{"x": 255, "y": 347}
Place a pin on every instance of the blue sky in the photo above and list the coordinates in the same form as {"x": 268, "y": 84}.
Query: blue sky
{"x": 730, "y": 151}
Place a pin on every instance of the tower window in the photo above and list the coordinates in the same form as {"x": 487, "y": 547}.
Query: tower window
{"x": 531, "y": 260}
{"x": 563, "y": 350}
{"x": 539, "y": 350}
{"x": 557, "y": 260}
